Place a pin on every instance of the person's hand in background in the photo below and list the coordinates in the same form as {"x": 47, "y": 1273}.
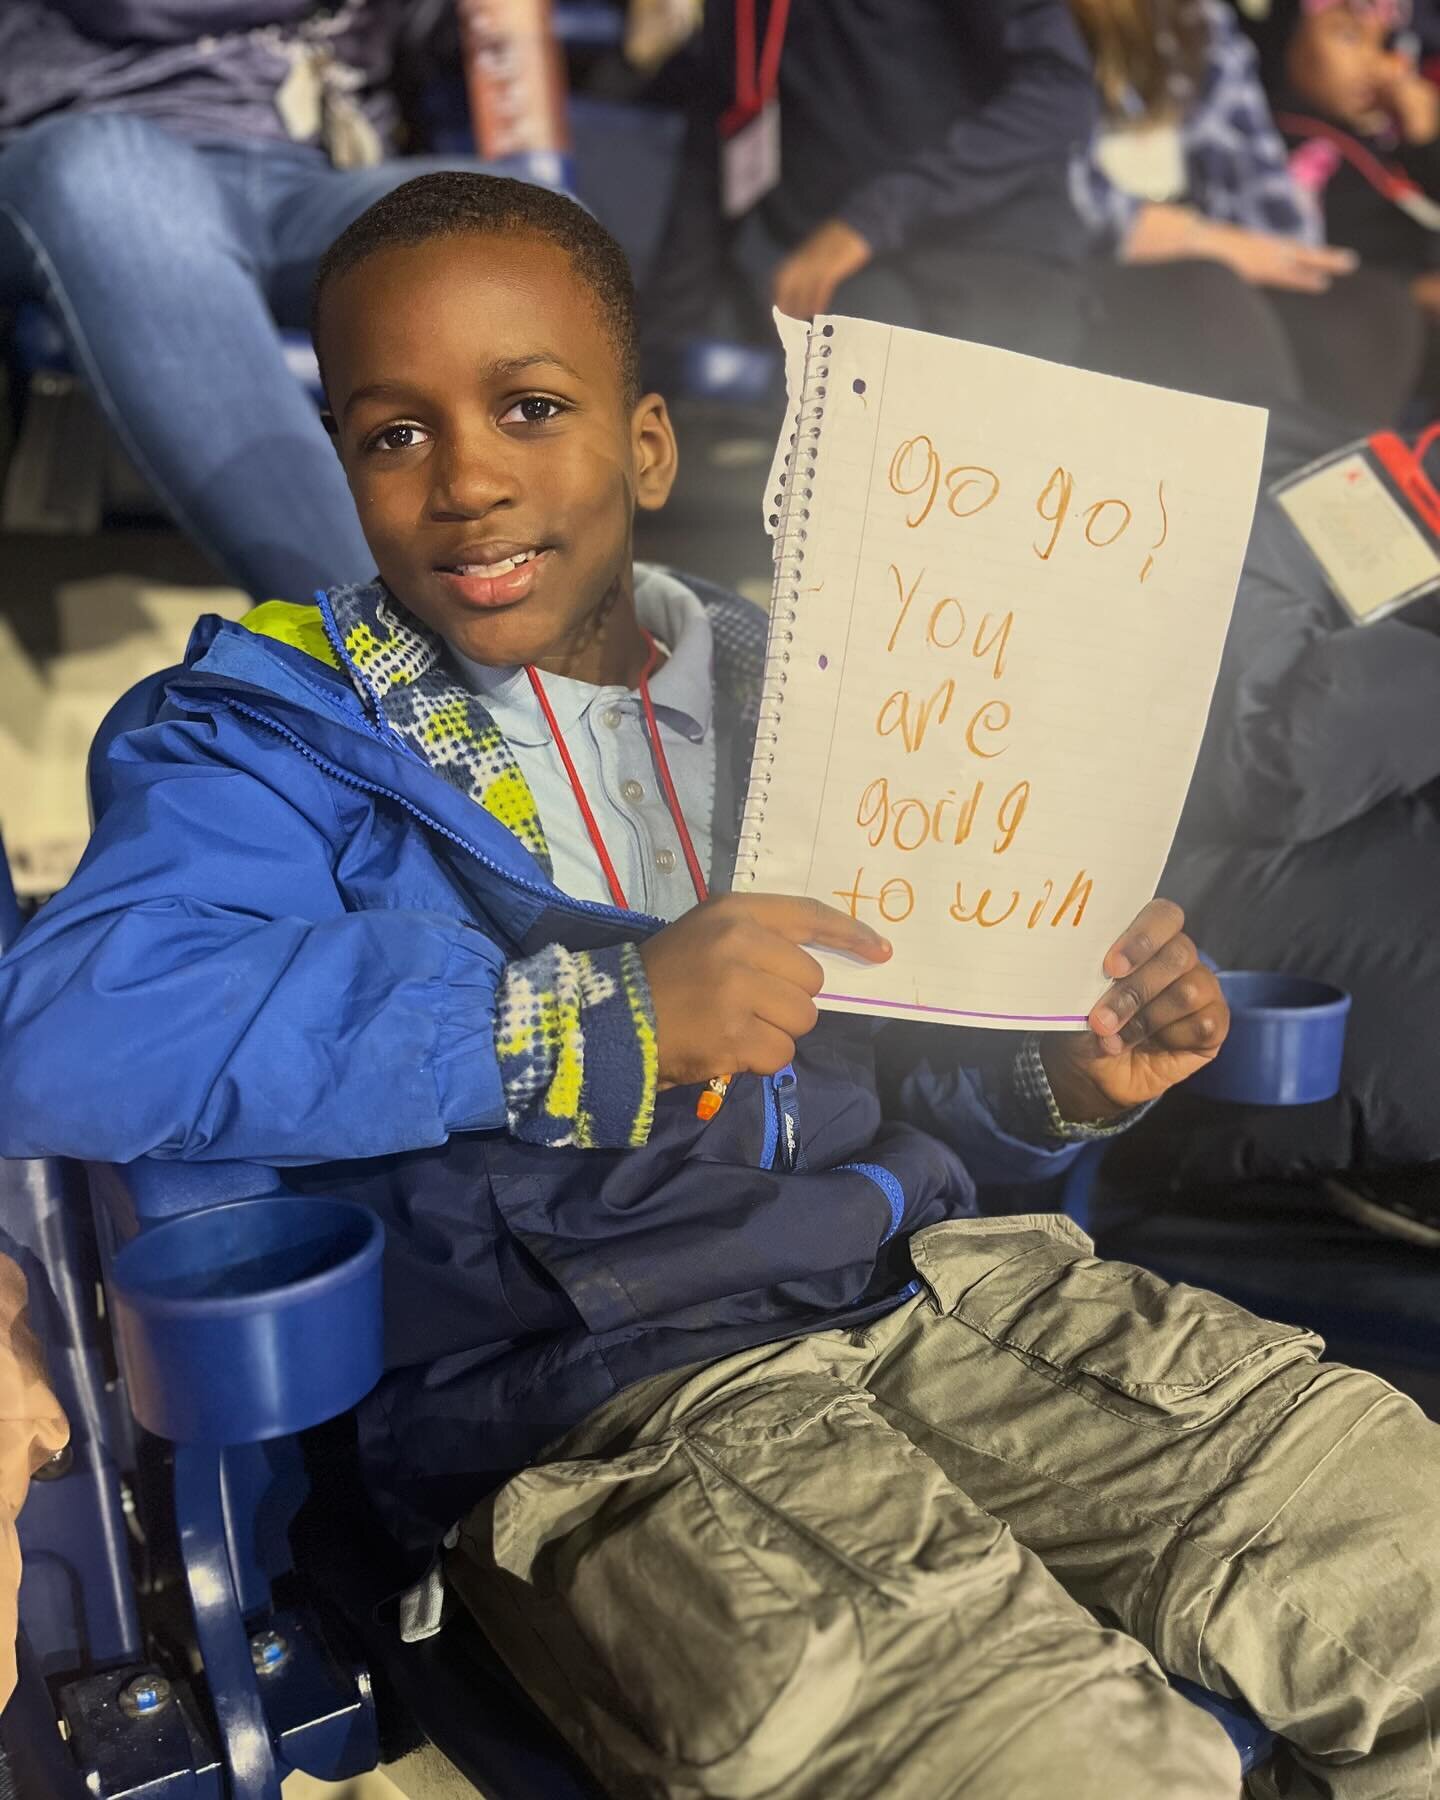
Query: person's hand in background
{"x": 1410, "y": 100}
{"x": 806, "y": 281}
{"x": 32, "y": 1429}
{"x": 1425, "y": 290}
{"x": 1174, "y": 233}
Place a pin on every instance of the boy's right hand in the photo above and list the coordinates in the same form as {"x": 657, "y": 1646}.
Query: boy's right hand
{"x": 731, "y": 987}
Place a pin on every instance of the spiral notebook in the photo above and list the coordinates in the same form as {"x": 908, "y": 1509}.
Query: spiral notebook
{"x": 1001, "y": 591}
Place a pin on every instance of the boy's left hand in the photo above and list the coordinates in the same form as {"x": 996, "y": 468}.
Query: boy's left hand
{"x": 1164, "y": 1018}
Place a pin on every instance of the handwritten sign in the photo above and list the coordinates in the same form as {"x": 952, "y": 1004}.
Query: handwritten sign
{"x": 1002, "y": 591}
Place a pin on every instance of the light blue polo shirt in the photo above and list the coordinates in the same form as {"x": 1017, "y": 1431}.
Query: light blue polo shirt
{"x": 604, "y": 731}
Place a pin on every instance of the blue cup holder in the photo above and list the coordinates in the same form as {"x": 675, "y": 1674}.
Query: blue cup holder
{"x": 250, "y": 1320}
{"x": 1286, "y": 1042}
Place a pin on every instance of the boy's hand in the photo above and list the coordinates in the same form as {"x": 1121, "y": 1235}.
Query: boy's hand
{"x": 731, "y": 987}
{"x": 1163, "y": 1019}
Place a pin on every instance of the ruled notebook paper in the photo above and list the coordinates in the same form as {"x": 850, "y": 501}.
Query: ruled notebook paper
{"x": 1001, "y": 592}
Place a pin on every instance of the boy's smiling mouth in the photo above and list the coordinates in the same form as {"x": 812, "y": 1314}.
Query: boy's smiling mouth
{"x": 493, "y": 574}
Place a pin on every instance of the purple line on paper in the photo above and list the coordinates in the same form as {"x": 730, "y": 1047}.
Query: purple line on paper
{"x": 960, "y": 1012}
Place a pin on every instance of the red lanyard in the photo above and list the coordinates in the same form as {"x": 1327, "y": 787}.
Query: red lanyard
{"x": 1393, "y": 183}
{"x": 1406, "y": 468}
{"x": 753, "y": 87}
{"x": 662, "y": 767}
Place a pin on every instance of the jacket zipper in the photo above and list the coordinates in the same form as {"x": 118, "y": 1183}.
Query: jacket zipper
{"x": 770, "y": 1123}
{"x": 551, "y": 895}
{"x": 784, "y": 1087}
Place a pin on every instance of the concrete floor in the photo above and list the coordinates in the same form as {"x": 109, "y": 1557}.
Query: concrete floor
{"x": 425, "y": 1775}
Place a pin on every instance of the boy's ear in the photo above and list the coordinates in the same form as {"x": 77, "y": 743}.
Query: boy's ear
{"x": 332, "y": 431}
{"x": 652, "y": 440}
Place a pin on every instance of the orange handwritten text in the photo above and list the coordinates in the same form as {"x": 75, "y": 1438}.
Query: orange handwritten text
{"x": 896, "y": 898}
{"x": 910, "y": 823}
{"x": 987, "y": 912}
{"x": 917, "y": 470}
{"x": 901, "y": 712}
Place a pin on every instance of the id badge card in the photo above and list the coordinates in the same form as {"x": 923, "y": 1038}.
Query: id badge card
{"x": 749, "y": 159}
{"x": 1370, "y": 517}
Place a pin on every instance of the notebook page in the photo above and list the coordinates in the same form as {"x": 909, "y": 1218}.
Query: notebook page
{"x": 1006, "y": 615}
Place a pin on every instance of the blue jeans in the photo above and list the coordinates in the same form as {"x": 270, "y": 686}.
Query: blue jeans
{"x": 169, "y": 265}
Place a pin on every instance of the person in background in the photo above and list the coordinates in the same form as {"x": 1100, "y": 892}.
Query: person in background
{"x": 921, "y": 172}
{"x": 1363, "y": 125}
{"x": 1211, "y": 271}
{"x": 170, "y": 171}
{"x": 1310, "y": 845}
{"x": 32, "y": 1430}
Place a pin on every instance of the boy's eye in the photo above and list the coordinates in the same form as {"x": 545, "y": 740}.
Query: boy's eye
{"x": 534, "y": 409}
{"x": 396, "y": 437}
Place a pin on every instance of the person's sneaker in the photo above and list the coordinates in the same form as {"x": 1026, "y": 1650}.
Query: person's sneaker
{"x": 1400, "y": 1203}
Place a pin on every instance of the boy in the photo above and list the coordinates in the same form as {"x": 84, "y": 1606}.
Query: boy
{"x": 352, "y": 920}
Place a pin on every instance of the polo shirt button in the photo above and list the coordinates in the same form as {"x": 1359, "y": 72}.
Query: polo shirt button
{"x": 611, "y": 717}
{"x": 665, "y": 860}
{"x": 632, "y": 791}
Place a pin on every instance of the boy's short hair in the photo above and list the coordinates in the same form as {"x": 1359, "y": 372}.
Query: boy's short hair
{"x": 454, "y": 202}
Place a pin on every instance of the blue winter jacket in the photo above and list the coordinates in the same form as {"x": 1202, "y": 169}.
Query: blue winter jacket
{"x": 275, "y": 970}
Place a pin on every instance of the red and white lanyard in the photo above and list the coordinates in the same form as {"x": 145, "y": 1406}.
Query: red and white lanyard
{"x": 662, "y": 769}
{"x": 1392, "y": 183}
{"x": 756, "y": 82}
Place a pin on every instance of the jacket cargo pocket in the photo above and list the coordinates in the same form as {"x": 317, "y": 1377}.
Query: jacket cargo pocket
{"x": 1170, "y": 1356}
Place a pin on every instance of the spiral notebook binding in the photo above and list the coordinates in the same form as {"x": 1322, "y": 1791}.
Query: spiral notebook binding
{"x": 790, "y": 521}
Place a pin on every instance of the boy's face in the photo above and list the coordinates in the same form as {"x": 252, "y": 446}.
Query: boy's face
{"x": 1338, "y": 62}
{"x": 480, "y": 415}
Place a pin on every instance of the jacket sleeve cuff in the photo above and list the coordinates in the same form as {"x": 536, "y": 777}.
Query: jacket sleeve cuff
{"x": 1028, "y": 1110}
{"x": 469, "y": 1094}
{"x": 575, "y": 1043}
{"x": 882, "y": 225}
